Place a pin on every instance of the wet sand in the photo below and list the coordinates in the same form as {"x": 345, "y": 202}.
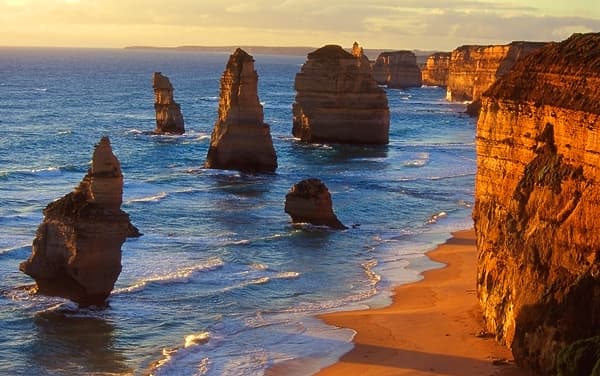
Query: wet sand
{"x": 433, "y": 326}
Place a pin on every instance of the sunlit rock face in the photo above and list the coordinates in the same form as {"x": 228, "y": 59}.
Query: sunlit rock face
{"x": 309, "y": 201}
{"x": 537, "y": 202}
{"x": 77, "y": 249}
{"x": 436, "y": 69}
{"x": 240, "y": 139}
{"x": 397, "y": 70}
{"x": 473, "y": 69}
{"x": 168, "y": 113}
{"x": 338, "y": 101}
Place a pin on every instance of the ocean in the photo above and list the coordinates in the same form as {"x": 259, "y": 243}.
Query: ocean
{"x": 220, "y": 283}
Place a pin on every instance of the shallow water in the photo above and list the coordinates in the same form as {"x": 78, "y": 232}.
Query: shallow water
{"x": 220, "y": 283}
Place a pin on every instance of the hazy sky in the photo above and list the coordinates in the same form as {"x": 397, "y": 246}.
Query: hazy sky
{"x": 407, "y": 24}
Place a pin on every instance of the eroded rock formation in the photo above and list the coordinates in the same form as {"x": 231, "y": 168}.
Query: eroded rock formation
{"x": 240, "y": 139}
{"x": 436, "y": 69}
{"x": 77, "y": 249}
{"x": 397, "y": 70}
{"x": 338, "y": 100}
{"x": 473, "y": 69}
{"x": 168, "y": 112}
{"x": 309, "y": 201}
{"x": 538, "y": 202}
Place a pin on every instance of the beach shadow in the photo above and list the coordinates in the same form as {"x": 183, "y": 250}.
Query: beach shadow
{"x": 76, "y": 344}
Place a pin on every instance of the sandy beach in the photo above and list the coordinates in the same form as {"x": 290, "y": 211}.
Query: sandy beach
{"x": 433, "y": 326}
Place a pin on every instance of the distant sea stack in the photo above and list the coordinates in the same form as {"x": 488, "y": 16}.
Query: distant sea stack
{"x": 168, "y": 113}
{"x": 473, "y": 69}
{"x": 537, "y": 208}
{"x": 436, "y": 69}
{"x": 309, "y": 201}
{"x": 397, "y": 70}
{"x": 338, "y": 101}
{"x": 77, "y": 249}
{"x": 240, "y": 139}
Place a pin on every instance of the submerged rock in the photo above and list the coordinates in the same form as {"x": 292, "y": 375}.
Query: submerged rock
{"x": 309, "y": 201}
{"x": 537, "y": 202}
{"x": 240, "y": 139}
{"x": 168, "y": 113}
{"x": 337, "y": 99}
{"x": 397, "y": 70}
{"x": 77, "y": 249}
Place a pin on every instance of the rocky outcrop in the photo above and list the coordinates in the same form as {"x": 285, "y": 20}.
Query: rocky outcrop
{"x": 397, "y": 70}
{"x": 436, "y": 69}
{"x": 240, "y": 139}
{"x": 168, "y": 113}
{"x": 309, "y": 201}
{"x": 77, "y": 249}
{"x": 538, "y": 202}
{"x": 338, "y": 100}
{"x": 473, "y": 69}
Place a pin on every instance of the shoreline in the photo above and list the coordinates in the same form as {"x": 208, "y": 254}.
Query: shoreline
{"x": 431, "y": 327}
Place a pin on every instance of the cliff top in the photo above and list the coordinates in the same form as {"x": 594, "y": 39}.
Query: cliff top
{"x": 237, "y": 60}
{"x": 565, "y": 74}
{"x": 399, "y": 52}
{"x": 518, "y": 43}
{"x": 330, "y": 51}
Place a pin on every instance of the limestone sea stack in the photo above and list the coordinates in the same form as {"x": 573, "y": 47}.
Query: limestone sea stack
{"x": 309, "y": 201}
{"x": 537, "y": 207}
{"x": 338, "y": 101}
{"x": 397, "y": 70}
{"x": 473, "y": 69}
{"x": 436, "y": 69}
{"x": 168, "y": 113}
{"x": 240, "y": 139}
{"x": 77, "y": 249}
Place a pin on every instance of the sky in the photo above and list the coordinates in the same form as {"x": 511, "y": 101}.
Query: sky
{"x": 398, "y": 24}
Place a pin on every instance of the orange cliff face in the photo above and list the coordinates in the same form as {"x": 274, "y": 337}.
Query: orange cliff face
{"x": 397, "y": 70}
{"x": 473, "y": 69}
{"x": 537, "y": 207}
{"x": 436, "y": 69}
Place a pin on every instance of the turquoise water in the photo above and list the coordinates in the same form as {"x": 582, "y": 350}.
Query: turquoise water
{"x": 220, "y": 283}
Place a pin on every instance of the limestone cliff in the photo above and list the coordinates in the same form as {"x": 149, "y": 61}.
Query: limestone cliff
{"x": 309, "y": 201}
{"x": 397, "y": 70}
{"x": 538, "y": 202}
{"x": 168, "y": 112}
{"x": 77, "y": 249}
{"x": 436, "y": 69}
{"x": 337, "y": 100}
{"x": 473, "y": 69}
{"x": 240, "y": 139}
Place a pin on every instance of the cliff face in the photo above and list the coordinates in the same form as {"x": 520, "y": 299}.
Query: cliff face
{"x": 240, "y": 138}
{"x": 473, "y": 69}
{"x": 397, "y": 70}
{"x": 436, "y": 70}
{"x": 338, "y": 100}
{"x": 537, "y": 202}
{"x": 168, "y": 112}
{"x": 77, "y": 249}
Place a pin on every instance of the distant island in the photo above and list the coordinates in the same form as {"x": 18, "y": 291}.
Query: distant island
{"x": 270, "y": 50}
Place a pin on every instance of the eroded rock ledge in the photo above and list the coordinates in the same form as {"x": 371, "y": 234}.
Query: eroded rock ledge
{"x": 77, "y": 249}
{"x": 538, "y": 202}
{"x": 240, "y": 139}
{"x": 397, "y": 70}
{"x": 309, "y": 201}
{"x": 338, "y": 100}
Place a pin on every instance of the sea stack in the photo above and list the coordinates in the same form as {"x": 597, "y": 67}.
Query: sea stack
{"x": 77, "y": 249}
{"x": 309, "y": 201}
{"x": 397, "y": 70}
{"x": 338, "y": 101}
{"x": 240, "y": 139}
{"x": 537, "y": 202}
{"x": 168, "y": 113}
{"x": 436, "y": 69}
{"x": 473, "y": 69}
